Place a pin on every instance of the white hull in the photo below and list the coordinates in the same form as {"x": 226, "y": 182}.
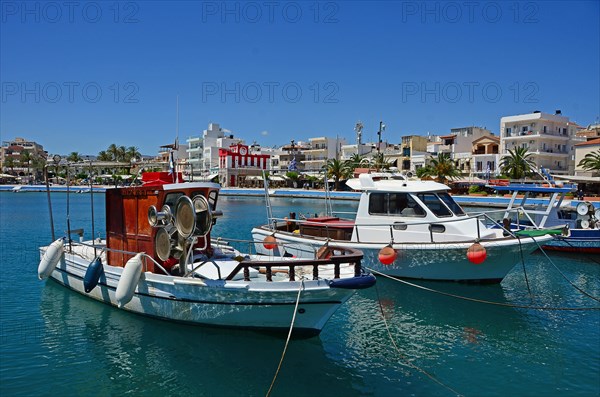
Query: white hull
{"x": 428, "y": 261}
{"x": 254, "y": 304}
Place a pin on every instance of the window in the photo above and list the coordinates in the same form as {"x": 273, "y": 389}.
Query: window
{"x": 398, "y": 204}
{"x": 434, "y": 204}
{"x": 449, "y": 201}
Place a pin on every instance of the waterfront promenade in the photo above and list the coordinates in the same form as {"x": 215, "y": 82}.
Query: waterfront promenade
{"x": 478, "y": 201}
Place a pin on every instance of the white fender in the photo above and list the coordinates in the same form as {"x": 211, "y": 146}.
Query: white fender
{"x": 50, "y": 259}
{"x": 129, "y": 280}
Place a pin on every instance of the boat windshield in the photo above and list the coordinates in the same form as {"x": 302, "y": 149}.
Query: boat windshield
{"x": 432, "y": 201}
{"x": 396, "y": 204}
{"x": 453, "y": 205}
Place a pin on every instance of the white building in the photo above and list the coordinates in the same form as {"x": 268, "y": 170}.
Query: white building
{"x": 549, "y": 137}
{"x": 458, "y": 144}
{"x": 581, "y": 150}
{"x": 321, "y": 149}
{"x": 485, "y": 157}
{"x": 203, "y": 152}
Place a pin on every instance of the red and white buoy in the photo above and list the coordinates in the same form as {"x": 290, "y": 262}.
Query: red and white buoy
{"x": 270, "y": 242}
{"x": 476, "y": 253}
{"x": 387, "y": 255}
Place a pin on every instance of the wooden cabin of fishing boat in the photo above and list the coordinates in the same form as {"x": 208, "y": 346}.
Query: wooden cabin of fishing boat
{"x": 158, "y": 218}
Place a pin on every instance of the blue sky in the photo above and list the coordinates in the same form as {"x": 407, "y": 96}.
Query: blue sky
{"x": 79, "y": 76}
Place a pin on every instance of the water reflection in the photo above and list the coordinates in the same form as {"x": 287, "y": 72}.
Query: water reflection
{"x": 105, "y": 349}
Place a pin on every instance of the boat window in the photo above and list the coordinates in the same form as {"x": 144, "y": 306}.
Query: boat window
{"x": 398, "y": 204}
{"x": 453, "y": 205}
{"x": 434, "y": 204}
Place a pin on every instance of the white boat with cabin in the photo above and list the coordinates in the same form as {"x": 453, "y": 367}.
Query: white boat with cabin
{"x": 430, "y": 235}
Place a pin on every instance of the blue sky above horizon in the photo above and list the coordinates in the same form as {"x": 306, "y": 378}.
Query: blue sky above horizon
{"x": 79, "y": 77}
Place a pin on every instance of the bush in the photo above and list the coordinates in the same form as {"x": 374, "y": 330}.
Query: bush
{"x": 474, "y": 189}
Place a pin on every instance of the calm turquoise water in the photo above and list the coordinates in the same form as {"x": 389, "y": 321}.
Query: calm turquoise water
{"x": 57, "y": 342}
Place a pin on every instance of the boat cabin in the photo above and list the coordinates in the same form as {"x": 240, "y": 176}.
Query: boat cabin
{"x": 159, "y": 218}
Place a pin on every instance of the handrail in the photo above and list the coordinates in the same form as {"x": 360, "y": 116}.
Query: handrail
{"x": 354, "y": 257}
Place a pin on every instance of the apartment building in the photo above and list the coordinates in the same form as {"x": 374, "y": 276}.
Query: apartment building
{"x": 485, "y": 156}
{"x": 13, "y": 161}
{"x": 320, "y": 150}
{"x": 550, "y": 138}
{"x": 459, "y": 145}
{"x": 410, "y": 145}
{"x": 203, "y": 152}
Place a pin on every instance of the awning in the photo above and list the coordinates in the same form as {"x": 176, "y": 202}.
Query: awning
{"x": 254, "y": 178}
{"x": 579, "y": 178}
{"x": 7, "y": 176}
{"x": 276, "y": 178}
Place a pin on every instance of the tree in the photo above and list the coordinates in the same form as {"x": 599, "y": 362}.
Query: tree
{"x": 380, "y": 163}
{"x": 337, "y": 170}
{"x": 517, "y": 164}
{"x": 26, "y": 159}
{"x": 441, "y": 168}
{"x": 424, "y": 171}
{"x": 591, "y": 161}
{"x": 104, "y": 156}
{"x": 132, "y": 153}
{"x": 113, "y": 152}
{"x": 74, "y": 157}
{"x": 355, "y": 161}
{"x": 10, "y": 163}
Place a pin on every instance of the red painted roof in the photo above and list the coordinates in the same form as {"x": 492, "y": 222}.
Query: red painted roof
{"x": 591, "y": 142}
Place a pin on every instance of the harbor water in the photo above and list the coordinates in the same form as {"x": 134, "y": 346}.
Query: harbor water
{"x": 391, "y": 340}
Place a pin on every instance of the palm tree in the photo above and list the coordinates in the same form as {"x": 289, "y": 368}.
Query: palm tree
{"x": 26, "y": 159}
{"x": 591, "y": 161}
{"x": 355, "y": 161}
{"x": 380, "y": 163}
{"x": 131, "y": 153}
{"x": 442, "y": 168}
{"x": 113, "y": 152}
{"x": 104, "y": 156}
{"x": 517, "y": 164}
{"x": 10, "y": 163}
{"x": 337, "y": 170}
{"x": 74, "y": 157}
{"x": 121, "y": 153}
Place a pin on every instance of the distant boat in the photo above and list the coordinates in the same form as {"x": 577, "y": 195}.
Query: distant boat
{"x": 159, "y": 260}
{"x": 409, "y": 229}
{"x": 582, "y": 221}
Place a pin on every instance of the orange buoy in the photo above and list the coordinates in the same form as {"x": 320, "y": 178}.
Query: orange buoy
{"x": 270, "y": 242}
{"x": 387, "y": 255}
{"x": 476, "y": 253}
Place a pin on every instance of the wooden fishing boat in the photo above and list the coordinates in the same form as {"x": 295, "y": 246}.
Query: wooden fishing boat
{"x": 158, "y": 260}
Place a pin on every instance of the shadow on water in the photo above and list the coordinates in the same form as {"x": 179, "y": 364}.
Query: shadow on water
{"x": 93, "y": 347}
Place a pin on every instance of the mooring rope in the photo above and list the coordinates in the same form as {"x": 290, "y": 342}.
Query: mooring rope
{"x": 524, "y": 271}
{"x": 403, "y": 357}
{"x": 288, "y": 339}
{"x": 481, "y": 300}
{"x": 563, "y": 275}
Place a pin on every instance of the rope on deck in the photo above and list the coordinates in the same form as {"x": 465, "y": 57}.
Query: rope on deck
{"x": 481, "y": 300}
{"x": 288, "y": 339}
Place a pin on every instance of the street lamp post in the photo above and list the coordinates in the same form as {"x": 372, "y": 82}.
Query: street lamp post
{"x": 379, "y": 158}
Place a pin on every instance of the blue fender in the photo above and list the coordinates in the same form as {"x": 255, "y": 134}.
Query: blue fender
{"x": 92, "y": 275}
{"x": 360, "y": 282}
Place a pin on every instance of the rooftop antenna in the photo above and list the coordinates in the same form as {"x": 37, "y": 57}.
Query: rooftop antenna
{"x": 358, "y": 128}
